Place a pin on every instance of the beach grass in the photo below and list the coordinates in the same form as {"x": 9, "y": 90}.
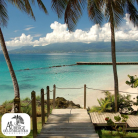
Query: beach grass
{"x": 107, "y": 134}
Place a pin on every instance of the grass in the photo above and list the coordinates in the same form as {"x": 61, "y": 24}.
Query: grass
{"x": 39, "y": 127}
{"x": 107, "y": 134}
{"x": 7, "y": 106}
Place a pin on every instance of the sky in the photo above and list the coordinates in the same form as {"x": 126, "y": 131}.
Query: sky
{"x": 22, "y": 30}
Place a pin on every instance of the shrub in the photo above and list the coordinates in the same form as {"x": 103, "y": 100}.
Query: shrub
{"x": 26, "y": 99}
{"x": 107, "y": 104}
{"x": 38, "y": 98}
{"x": 27, "y": 109}
{"x": 121, "y": 130}
{"x": 125, "y": 104}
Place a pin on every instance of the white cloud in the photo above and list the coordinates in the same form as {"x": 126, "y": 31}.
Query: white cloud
{"x": 29, "y": 28}
{"x": 16, "y": 31}
{"x": 37, "y": 35}
{"x": 23, "y": 40}
{"x": 126, "y": 32}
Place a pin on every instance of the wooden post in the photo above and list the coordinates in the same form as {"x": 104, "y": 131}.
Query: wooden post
{"x": 54, "y": 95}
{"x": 17, "y": 108}
{"x": 17, "y": 105}
{"x": 42, "y": 107}
{"x": 48, "y": 103}
{"x": 34, "y": 118}
{"x": 84, "y": 96}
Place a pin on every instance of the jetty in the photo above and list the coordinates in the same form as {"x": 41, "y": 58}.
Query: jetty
{"x": 68, "y": 123}
{"x": 106, "y": 63}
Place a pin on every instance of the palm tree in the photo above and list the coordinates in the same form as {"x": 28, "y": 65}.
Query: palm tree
{"x": 114, "y": 11}
{"x": 133, "y": 81}
{"x": 23, "y": 5}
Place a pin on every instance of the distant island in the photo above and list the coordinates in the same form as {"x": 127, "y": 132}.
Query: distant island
{"x": 123, "y": 46}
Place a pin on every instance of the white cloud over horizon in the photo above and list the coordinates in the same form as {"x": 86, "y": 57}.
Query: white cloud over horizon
{"x": 16, "y": 31}
{"x": 29, "y": 28}
{"x": 60, "y": 34}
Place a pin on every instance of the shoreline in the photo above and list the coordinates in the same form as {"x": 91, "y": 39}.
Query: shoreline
{"x": 103, "y": 81}
{"x": 93, "y": 95}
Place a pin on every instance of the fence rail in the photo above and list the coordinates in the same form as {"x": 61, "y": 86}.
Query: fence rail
{"x": 17, "y": 103}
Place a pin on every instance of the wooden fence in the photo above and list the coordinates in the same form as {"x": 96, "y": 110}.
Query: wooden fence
{"x": 17, "y": 106}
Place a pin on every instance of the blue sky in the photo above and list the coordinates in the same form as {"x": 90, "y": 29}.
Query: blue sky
{"x": 19, "y": 21}
{"x": 22, "y": 30}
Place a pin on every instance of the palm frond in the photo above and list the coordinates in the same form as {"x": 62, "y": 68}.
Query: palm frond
{"x": 114, "y": 10}
{"x": 133, "y": 81}
{"x": 18, "y": 3}
{"x": 95, "y": 109}
{"x": 23, "y": 5}
{"x": 136, "y": 83}
{"x": 94, "y": 11}
{"x": 128, "y": 83}
{"x": 99, "y": 102}
{"x": 131, "y": 9}
{"x": 42, "y": 6}
{"x": 59, "y": 7}
{"x": 73, "y": 12}
{"x": 118, "y": 12}
{"x": 3, "y": 13}
{"x": 29, "y": 9}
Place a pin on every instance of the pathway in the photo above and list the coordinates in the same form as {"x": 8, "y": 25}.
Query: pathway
{"x": 68, "y": 123}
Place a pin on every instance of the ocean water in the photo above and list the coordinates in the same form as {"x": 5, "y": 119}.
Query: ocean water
{"x": 40, "y": 75}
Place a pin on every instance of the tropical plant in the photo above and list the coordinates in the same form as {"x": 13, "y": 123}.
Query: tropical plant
{"x": 26, "y": 109}
{"x": 125, "y": 104}
{"x": 121, "y": 130}
{"x": 133, "y": 81}
{"x": 107, "y": 104}
{"x": 113, "y": 10}
{"x": 23, "y": 5}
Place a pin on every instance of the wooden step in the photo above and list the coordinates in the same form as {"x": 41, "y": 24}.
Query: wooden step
{"x": 69, "y": 136}
{"x": 68, "y": 123}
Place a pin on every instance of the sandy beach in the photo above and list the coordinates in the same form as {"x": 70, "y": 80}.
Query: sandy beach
{"x": 93, "y": 95}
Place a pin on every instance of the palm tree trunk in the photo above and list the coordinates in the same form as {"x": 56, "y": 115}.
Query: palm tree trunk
{"x": 114, "y": 60}
{"x": 7, "y": 58}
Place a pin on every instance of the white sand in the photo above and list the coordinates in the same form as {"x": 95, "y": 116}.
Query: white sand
{"x": 93, "y": 95}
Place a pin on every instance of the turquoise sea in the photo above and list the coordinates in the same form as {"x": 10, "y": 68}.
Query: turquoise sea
{"x": 40, "y": 75}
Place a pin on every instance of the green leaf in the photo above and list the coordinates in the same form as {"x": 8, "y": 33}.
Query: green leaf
{"x": 117, "y": 118}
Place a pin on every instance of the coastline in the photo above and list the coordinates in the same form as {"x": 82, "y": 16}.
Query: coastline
{"x": 95, "y": 76}
{"x": 93, "y": 95}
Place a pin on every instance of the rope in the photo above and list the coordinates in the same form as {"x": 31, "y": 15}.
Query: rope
{"x": 128, "y": 92}
{"x": 69, "y": 88}
{"x": 111, "y": 90}
{"x": 28, "y": 103}
{"x": 99, "y": 89}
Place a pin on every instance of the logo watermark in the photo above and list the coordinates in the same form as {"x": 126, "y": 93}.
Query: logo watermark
{"x": 15, "y": 124}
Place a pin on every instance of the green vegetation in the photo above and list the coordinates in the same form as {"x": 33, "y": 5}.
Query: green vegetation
{"x": 107, "y": 134}
{"x": 120, "y": 130}
{"x": 107, "y": 104}
{"x": 7, "y": 106}
{"x": 25, "y": 108}
{"x": 133, "y": 81}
